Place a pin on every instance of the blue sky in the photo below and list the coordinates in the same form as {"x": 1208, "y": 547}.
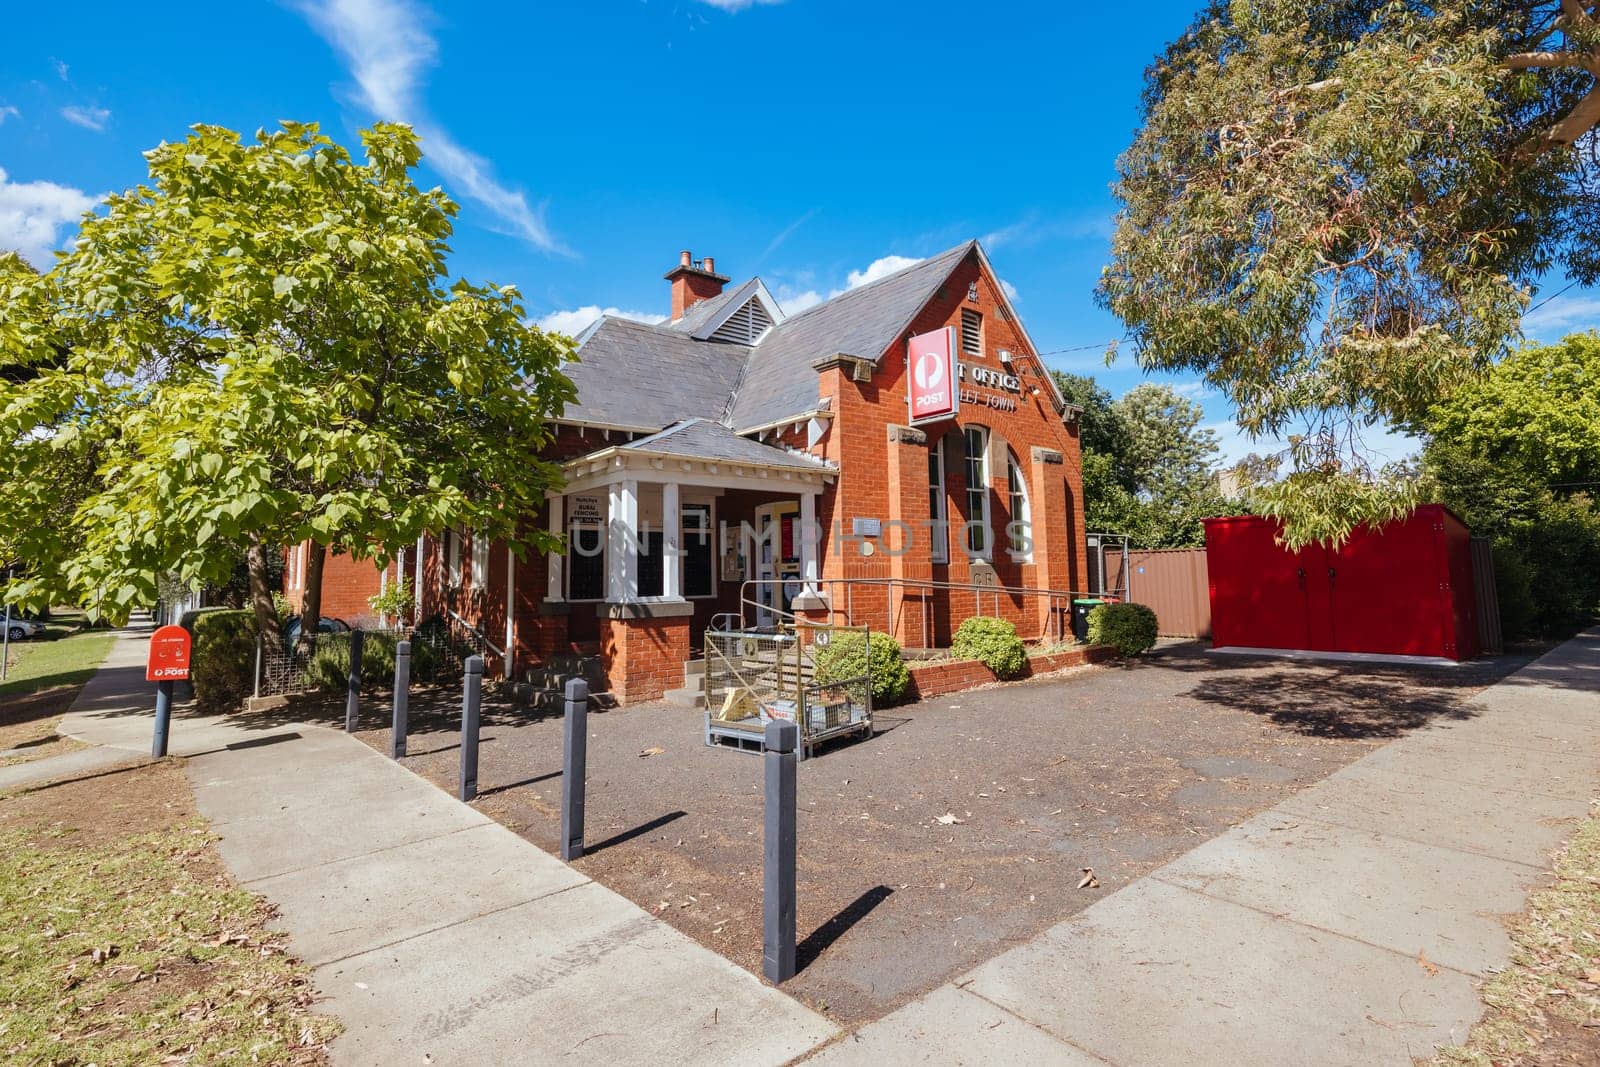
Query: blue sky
{"x": 813, "y": 142}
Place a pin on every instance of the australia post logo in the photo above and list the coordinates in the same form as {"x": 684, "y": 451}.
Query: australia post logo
{"x": 932, "y": 381}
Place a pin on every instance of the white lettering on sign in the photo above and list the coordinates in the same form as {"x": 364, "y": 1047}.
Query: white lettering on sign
{"x": 988, "y": 400}
{"x": 993, "y": 378}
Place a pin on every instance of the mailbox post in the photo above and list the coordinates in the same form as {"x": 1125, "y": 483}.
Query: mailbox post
{"x": 168, "y": 662}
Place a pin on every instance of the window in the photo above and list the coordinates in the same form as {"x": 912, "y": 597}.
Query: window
{"x": 971, "y": 333}
{"x": 480, "y": 560}
{"x": 1021, "y": 526}
{"x": 938, "y": 532}
{"x": 977, "y": 470}
{"x": 696, "y": 535}
{"x": 452, "y": 540}
{"x": 586, "y": 561}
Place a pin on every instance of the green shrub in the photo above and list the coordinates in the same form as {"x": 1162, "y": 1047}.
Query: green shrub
{"x": 222, "y": 663}
{"x": 994, "y": 641}
{"x": 1128, "y": 628}
{"x": 847, "y": 655}
{"x": 330, "y": 662}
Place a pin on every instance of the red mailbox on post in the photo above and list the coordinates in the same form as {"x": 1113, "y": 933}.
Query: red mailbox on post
{"x": 169, "y": 655}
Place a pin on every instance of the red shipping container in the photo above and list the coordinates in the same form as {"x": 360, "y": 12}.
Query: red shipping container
{"x": 1404, "y": 588}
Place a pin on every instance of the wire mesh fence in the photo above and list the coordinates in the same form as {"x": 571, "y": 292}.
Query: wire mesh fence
{"x": 322, "y": 661}
{"x": 754, "y": 677}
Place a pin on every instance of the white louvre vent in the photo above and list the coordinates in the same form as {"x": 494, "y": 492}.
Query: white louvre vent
{"x": 745, "y": 326}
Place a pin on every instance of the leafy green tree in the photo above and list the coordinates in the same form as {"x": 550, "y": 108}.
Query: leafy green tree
{"x": 265, "y": 346}
{"x": 1335, "y": 213}
{"x": 1517, "y": 456}
{"x": 1147, "y": 463}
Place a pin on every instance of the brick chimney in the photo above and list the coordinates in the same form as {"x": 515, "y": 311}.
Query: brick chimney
{"x": 693, "y": 281}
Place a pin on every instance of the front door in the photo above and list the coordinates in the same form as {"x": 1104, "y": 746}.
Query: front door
{"x": 777, "y": 560}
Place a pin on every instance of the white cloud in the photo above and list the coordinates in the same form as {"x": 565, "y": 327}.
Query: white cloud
{"x": 8, "y": 112}
{"x": 787, "y": 232}
{"x": 61, "y": 69}
{"x": 797, "y": 298}
{"x": 1561, "y": 316}
{"x": 577, "y": 320}
{"x": 386, "y": 47}
{"x": 1031, "y": 230}
{"x": 1010, "y": 291}
{"x": 878, "y": 268}
{"x": 1194, "y": 390}
{"x": 733, "y": 6}
{"x": 33, "y": 213}
{"x": 1378, "y": 444}
{"x": 87, "y": 116}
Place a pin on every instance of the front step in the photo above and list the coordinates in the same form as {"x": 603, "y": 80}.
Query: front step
{"x": 693, "y": 693}
{"x": 543, "y": 688}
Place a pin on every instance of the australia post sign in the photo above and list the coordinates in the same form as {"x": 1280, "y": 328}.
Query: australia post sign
{"x": 169, "y": 655}
{"x": 931, "y": 377}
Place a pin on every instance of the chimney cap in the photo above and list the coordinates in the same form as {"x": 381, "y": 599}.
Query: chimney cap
{"x": 687, "y": 264}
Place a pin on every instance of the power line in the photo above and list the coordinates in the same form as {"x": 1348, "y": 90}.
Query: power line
{"x": 1546, "y": 300}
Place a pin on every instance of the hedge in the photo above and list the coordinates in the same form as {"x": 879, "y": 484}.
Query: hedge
{"x": 847, "y": 656}
{"x": 994, "y": 641}
{"x": 329, "y": 667}
{"x": 1128, "y": 628}
{"x": 223, "y": 660}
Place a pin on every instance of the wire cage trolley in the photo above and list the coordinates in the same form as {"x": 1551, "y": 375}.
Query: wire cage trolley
{"x": 768, "y": 674}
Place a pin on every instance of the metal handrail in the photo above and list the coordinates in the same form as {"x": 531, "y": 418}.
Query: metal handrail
{"x": 475, "y": 632}
{"x": 1058, "y": 601}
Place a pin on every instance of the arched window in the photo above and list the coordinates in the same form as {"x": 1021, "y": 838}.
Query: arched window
{"x": 939, "y": 531}
{"x": 1020, "y": 529}
{"x": 976, "y": 439}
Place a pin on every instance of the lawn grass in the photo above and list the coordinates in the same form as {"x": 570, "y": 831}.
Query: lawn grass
{"x": 45, "y": 676}
{"x": 59, "y": 658}
{"x": 123, "y": 940}
{"x": 1545, "y": 1007}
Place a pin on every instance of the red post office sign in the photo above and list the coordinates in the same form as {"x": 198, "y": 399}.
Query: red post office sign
{"x": 931, "y": 376}
{"x": 169, "y": 655}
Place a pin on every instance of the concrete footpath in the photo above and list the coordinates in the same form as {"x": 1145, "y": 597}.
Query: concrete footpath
{"x": 1349, "y": 925}
{"x": 435, "y": 934}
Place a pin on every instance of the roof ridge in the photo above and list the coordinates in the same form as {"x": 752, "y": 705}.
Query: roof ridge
{"x": 963, "y": 248}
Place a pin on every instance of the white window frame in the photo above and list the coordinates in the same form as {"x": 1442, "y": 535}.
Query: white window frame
{"x": 452, "y": 558}
{"x": 980, "y": 463}
{"x": 573, "y": 526}
{"x": 480, "y": 560}
{"x": 683, "y": 542}
{"x": 1021, "y": 509}
{"x": 938, "y": 506}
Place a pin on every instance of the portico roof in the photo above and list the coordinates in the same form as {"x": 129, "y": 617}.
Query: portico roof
{"x": 699, "y": 451}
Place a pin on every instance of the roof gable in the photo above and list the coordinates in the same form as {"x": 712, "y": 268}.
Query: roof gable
{"x": 635, "y": 376}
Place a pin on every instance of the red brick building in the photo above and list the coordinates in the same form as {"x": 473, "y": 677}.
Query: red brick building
{"x": 739, "y": 461}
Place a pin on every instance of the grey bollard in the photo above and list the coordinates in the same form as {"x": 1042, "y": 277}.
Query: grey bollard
{"x": 777, "y": 853}
{"x": 471, "y": 701}
{"x": 402, "y": 699}
{"x": 352, "y": 701}
{"x": 158, "y": 744}
{"x": 574, "y": 767}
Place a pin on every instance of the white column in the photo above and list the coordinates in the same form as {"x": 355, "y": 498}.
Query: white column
{"x": 416, "y": 583}
{"x": 671, "y": 535}
{"x": 622, "y": 547}
{"x": 554, "y": 588}
{"x": 808, "y": 541}
{"x": 383, "y": 587}
{"x": 511, "y": 611}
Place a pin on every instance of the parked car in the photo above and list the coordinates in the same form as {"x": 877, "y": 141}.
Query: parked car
{"x": 325, "y": 625}
{"x": 23, "y": 628}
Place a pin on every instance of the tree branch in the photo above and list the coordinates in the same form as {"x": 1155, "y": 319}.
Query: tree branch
{"x": 1529, "y": 60}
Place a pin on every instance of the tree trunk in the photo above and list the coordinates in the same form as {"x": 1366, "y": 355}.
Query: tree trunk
{"x": 311, "y": 599}
{"x": 260, "y": 592}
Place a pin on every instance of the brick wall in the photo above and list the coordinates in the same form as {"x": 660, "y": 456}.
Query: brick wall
{"x": 953, "y": 676}
{"x": 643, "y": 658}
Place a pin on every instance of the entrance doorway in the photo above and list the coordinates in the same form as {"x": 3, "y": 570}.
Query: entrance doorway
{"x": 777, "y": 559}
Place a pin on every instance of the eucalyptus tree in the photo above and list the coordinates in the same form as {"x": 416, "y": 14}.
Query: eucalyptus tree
{"x": 265, "y": 346}
{"x": 1336, "y": 214}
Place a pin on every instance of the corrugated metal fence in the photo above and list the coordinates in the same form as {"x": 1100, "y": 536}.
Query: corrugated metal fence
{"x": 1173, "y": 583}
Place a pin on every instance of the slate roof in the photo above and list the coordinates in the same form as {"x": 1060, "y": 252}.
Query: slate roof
{"x": 703, "y": 439}
{"x": 632, "y": 375}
